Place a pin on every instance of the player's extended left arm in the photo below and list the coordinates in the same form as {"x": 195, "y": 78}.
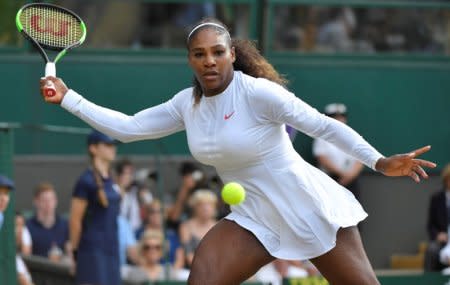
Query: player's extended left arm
{"x": 300, "y": 115}
{"x": 282, "y": 106}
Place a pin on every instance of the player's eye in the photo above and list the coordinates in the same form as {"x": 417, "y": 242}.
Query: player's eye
{"x": 219, "y": 52}
{"x": 198, "y": 54}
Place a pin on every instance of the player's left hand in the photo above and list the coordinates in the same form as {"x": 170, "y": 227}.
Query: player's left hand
{"x": 405, "y": 164}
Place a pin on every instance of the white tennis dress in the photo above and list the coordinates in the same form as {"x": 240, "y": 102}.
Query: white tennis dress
{"x": 293, "y": 208}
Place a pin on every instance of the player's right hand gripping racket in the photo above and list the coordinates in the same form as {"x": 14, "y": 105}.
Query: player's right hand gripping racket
{"x": 51, "y": 27}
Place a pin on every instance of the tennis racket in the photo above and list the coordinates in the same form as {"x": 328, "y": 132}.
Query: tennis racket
{"x": 50, "y": 27}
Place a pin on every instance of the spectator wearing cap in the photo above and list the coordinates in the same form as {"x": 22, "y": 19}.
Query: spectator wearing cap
{"x": 438, "y": 225}
{"x": 337, "y": 164}
{"x": 93, "y": 227}
{"x": 49, "y": 231}
{"x": 6, "y": 185}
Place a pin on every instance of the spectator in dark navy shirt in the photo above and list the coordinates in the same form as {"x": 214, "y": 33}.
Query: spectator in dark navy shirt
{"x": 93, "y": 217}
{"x": 48, "y": 230}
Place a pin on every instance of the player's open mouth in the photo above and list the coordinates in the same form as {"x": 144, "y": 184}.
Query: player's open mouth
{"x": 210, "y": 75}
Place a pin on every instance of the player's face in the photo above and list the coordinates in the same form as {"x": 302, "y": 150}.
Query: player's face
{"x": 4, "y": 198}
{"x": 211, "y": 58}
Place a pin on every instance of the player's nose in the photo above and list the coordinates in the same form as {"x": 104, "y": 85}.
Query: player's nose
{"x": 209, "y": 61}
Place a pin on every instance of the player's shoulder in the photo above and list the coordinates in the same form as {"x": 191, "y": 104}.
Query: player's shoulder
{"x": 185, "y": 91}
{"x": 259, "y": 86}
{"x": 183, "y": 97}
{"x": 264, "y": 91}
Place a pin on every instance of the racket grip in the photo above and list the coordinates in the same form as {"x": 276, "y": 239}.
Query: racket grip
{"x": 50, "y": 70}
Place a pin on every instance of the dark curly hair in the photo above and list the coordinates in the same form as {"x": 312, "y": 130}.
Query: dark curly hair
{"x": 248, "y": 59}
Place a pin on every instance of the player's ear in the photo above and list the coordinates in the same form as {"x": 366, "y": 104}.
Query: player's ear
{"x": 233, "y": 54}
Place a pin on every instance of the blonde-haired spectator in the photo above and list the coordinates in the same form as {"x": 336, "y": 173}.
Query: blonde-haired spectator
{"x": 154, "y": 220}
{"x": 150, "y": 251}
{"x": 204, "y": 210}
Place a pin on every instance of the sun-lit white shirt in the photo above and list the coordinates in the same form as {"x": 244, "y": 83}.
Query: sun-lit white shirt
{"x": 340, "y": 159}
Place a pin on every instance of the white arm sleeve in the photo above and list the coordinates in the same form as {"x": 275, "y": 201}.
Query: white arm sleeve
{"x": 152, "y": 123}
{"x": 274, "y": 103}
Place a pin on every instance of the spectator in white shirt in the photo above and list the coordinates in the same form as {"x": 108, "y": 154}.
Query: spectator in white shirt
{"x": 337, "y": 164}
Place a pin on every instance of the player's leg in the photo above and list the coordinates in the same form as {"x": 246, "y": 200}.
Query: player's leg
{"x": 347, "y": 262}
{"x": 227, "y": 255}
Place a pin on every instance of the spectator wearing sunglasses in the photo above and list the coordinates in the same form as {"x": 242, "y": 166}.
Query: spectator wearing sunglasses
{"x": 151, "y": 251}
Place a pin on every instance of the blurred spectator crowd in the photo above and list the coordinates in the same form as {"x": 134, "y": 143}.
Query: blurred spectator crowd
{"x": 294, "y": 27}
{"x": 138, "y": 24}
{"x": 361, "y": 30}
{"x": 157, "y": 234}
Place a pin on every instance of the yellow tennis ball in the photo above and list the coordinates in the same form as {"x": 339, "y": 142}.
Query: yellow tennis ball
{"x": 233, "y": 193}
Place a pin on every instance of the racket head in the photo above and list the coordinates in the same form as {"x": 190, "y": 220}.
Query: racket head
{"x": 50, "y": 26}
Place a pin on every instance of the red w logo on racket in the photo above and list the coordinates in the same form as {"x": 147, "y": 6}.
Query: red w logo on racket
{"x": 52, "y": 26}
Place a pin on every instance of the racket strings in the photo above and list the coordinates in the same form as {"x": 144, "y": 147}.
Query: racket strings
{"x": 51, "y": 27}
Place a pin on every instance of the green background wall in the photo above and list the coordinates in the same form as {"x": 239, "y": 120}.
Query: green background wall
{"x": 397, "y": 102}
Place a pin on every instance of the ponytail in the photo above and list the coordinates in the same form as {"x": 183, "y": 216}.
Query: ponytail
{"x": 250, "y": 61}
{"x": 101, "y": 194}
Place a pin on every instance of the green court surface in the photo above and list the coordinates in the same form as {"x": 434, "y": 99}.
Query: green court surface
{"x": 413, "y": 279}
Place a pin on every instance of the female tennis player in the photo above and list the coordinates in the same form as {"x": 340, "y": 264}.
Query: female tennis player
{"x": 234, "y": 117}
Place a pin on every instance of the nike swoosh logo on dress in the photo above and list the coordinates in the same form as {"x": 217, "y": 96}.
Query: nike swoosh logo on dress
{"x": 226, "y": 117}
